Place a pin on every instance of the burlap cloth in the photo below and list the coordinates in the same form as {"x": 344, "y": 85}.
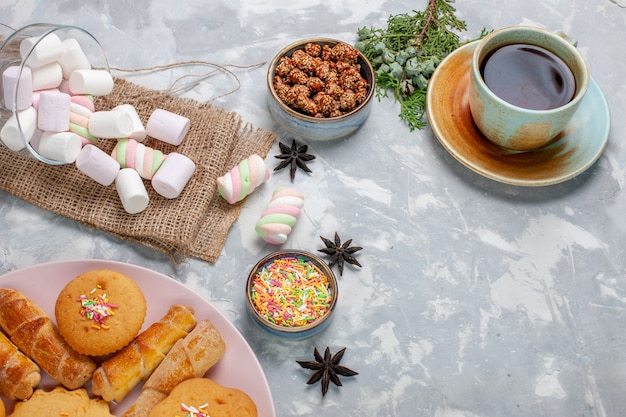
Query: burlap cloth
{"x": 194, "y": 224}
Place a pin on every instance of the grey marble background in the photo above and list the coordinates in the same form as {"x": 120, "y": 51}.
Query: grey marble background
{"x": 475, "y": 298}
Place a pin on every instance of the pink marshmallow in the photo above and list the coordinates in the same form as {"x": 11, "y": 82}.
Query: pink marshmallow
{"x": 54, "y": 111}
{"x": 64, "y": 87}
{"x": 37, "y": 94}
{"x": 17, "y": 87}
{"x": 97, "y": 164}
{"x": 167, "y": 126}
{"x": 173, "y": 175}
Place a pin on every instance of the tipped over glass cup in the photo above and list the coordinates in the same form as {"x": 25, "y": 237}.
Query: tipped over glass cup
{"x": 30, "y": 62}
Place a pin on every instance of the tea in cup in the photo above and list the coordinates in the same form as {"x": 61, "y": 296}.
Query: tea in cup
{"x": 525, "y": 85}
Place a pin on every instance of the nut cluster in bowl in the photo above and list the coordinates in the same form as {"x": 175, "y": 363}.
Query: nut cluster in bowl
{"x": 291, "y": 293}
{"x": 320, "y": 89}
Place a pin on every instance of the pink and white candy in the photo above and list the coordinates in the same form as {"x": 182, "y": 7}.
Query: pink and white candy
{"x": 280, "y": 216}
{"x": 131, "y": 154}
{"x": 81, "y": 109}
{"x": 242, "y": 179}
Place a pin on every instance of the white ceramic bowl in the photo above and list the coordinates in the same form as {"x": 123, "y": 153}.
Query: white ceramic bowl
{"x": 308, "y": 127}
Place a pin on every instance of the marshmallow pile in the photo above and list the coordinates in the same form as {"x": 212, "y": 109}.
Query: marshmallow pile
{"x": 53, "y": 95}
{"x": 281, "y": 214}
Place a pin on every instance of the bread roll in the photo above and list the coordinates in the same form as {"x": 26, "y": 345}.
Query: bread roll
{"x": 18, "y": 374}
{"x": 37, "y": 337}
{"x": 190, "y": 357}
{"x": 117, "y": 376}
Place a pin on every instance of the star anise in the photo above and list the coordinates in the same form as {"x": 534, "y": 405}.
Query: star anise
{"x": 340, "y": 253}
{"x": 294, "y": 157}
{"x": 327, "y": 368}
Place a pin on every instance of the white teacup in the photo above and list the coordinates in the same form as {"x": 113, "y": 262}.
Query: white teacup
{"x": 511, "y": 112}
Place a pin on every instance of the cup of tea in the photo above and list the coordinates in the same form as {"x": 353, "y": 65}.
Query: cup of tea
{"x": 525, "y": 86}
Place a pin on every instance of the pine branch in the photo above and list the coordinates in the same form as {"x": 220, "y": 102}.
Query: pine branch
{"x": 406, "y": 53}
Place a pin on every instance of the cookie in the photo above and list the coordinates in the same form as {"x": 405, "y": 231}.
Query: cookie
{"x": 100, "y": 311}
{"x": 207, "y": 397}
{"x": 61, "y": 402}
{"x": 2, "y": 410}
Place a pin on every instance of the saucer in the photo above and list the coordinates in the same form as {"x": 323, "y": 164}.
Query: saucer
{"x": 576, "y": 149}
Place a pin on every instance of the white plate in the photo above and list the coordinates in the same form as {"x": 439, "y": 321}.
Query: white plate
{"x": 238, "y": 368}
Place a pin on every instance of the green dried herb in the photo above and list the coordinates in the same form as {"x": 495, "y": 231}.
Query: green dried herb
{"x": 406, "y": 53}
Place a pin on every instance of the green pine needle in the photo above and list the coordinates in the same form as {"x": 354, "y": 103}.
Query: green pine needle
{"x": 405, "y": 54}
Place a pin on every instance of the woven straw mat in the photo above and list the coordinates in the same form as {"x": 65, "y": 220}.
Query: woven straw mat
{"x": 194, "y": 224}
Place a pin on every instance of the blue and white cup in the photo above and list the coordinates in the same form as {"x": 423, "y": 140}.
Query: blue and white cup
{"x": 512, "y": 126}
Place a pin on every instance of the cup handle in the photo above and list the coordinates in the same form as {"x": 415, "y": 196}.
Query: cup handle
{"x": 564, "y": 36}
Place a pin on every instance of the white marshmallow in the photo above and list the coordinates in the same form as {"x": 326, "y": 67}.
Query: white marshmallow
{"x": 167, "y": 126}
{"x": 11, "y": 135}
{"x": 43, "y": 50}
{"x": 14, "y": 81}
{"x": 132, "y": 191}
{"x": 94, "y": 82}
{"x": 139, "y": 131}
{"x": 173, "y": 175}
{"x": 54, "y": 111}
{"x": 47, "y": 76}
{"x": 60, "y": 146}
{"x": 110, "y": 124}
{"x": 35, "y": 139}
{"x": 73, "y": 58}
{"x": 97, "y": 164}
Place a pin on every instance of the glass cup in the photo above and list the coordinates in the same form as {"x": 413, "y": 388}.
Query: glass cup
{"x": 11, "y": 56}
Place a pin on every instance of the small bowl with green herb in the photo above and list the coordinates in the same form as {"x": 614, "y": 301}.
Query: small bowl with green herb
{"x": 320, "y": 89}
{"x": 291, "y": 293}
